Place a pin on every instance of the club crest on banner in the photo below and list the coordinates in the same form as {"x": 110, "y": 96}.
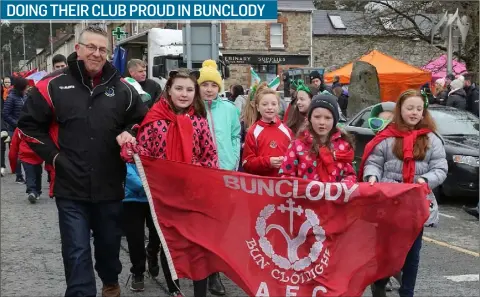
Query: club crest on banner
{"x": 292, "y": 261}
{"x": 302, "y": 258}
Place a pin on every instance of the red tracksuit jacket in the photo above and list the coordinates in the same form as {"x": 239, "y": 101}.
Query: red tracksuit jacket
{"x": 265, "y": 140}
{"x": 19, "y": 149}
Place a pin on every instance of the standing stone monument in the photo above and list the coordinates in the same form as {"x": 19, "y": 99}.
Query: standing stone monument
{"x": 364, "y": 88}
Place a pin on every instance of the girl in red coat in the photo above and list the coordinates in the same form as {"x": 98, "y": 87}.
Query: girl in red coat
{"x": 268, "y": 138}
{"x": 176, "y": 129}
{"x": 325, "y": 153}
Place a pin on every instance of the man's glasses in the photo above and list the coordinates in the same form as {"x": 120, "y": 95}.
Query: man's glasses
{"x": 377, "y": 124}
{"x": 93, "y": 48}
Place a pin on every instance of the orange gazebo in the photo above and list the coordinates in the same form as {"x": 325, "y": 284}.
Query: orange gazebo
{"x": 394, "y": 75}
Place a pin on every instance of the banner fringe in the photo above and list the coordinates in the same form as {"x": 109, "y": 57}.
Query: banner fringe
{"x": 164, "y": 246}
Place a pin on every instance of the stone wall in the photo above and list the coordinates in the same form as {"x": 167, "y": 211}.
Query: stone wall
{"x": 333, "y": 52}
{"x": 252, "y": 37}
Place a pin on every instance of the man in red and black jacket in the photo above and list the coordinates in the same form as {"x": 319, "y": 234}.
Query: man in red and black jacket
{"x": 76, "y": 119}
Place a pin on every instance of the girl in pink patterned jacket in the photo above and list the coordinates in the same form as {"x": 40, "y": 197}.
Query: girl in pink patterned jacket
{"x": 176, "y": 129}
{"x": 323, "y": 154}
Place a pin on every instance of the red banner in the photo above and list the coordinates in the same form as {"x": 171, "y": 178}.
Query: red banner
{"x": 281, "y": 237}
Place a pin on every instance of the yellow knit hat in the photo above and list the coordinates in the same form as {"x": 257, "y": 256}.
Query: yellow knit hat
{"x": 209, "y": 72}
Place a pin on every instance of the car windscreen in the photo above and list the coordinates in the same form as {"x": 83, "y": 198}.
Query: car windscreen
{"x": 455, "y": 122}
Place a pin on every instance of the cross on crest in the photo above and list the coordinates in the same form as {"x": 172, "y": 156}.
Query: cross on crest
{"x": 118, "y": 33}
{"x": 283, "y": 209}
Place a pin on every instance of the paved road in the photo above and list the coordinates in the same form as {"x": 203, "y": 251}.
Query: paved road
{"x": 32, "y": 264}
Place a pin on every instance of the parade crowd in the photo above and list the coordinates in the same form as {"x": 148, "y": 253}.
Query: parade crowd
{"x": 84, "y": 123}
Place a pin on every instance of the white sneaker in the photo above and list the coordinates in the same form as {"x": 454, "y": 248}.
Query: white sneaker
{"x": 2, "y": 171}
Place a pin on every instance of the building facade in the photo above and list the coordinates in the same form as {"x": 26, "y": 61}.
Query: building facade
{"x": 340, "y": 37}
{"x": 268, "y": 47}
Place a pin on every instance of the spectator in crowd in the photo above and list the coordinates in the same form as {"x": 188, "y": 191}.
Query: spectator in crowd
{"x": 456, "y": 96}
{"x": 239, "y": 97}
{"x": 448, "y": 80}
{"x": 472, "y": 92}
{"x": 6, "y": 86}
{"x": 336, "y": 82}
{"x": 59, "y": 62}
{"x": 11, "y": 113}
{"x": 316, "y": 80}
{"x": 440, "y": 92}
{"x": 138, "y": 71}
{"x": 342, "y": 99}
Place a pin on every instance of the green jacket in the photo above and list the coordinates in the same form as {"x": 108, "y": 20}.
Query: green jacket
{"x": 224, "y": 121}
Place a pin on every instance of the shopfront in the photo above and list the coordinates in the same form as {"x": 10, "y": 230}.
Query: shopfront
{"x": 267, "y": 66}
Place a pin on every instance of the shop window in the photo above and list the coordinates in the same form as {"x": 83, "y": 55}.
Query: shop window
{"x": 267, "y": 72}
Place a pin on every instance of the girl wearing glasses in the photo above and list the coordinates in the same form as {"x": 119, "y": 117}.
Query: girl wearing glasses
{"x": 406, "y": 151}
{"x": 176, "y": 129}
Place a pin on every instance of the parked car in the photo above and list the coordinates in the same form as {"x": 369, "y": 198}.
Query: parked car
{"x": 459, "y": 130}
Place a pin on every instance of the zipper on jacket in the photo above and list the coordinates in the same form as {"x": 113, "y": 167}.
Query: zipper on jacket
{"x": 90, "y": 89}
{"x": 212, "y": 128}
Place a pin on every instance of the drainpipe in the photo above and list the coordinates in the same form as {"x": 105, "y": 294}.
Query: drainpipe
{"x": 311, "y": 38}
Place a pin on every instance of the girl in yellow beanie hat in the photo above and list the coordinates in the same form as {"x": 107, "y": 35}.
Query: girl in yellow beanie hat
{"x": 224, "y": 123}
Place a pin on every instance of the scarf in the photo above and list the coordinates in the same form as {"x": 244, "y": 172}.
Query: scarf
{"x": 409, "y": 138}
{"x": 326, "y": 159}
{"x": 180, "y": 130}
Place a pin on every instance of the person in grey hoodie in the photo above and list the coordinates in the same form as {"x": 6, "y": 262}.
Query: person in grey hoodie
{"x": 239, "y": 97}
{"x": 457, "y": 97}
{"x": 384, "y": 163}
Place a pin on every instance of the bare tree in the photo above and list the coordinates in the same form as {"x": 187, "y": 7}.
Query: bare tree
{"x": 415, "y": 20}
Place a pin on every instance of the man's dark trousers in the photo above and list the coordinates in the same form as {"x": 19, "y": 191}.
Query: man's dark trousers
{"x": 76, "y": 219}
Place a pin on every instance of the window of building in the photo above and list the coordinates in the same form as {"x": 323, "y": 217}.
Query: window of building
{"x": 267, "y": 72}
{"x": 171, "y": 25}
{"x": 336, "y": 21}
{"x": 276, "y": 35}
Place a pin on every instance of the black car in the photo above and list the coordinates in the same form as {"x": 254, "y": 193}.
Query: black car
{"x": 460, "y": 132}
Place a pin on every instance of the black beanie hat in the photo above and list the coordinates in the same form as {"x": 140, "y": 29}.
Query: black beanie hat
{"x": 325, "y": 101}
{"x": 315, "y": 74}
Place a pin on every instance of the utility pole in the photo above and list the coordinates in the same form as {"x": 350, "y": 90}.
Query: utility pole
{"x": 188, "y": 33}
{"x": 21, "y": 30}
{"x": 10, "y": 52}
{"x": 51, "y": 38}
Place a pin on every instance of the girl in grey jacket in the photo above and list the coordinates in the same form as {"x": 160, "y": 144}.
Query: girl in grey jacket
{"x": 408, "y": 151}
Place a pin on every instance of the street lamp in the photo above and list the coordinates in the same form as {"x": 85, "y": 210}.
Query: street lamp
{"x": 449, "y": 21}
{"x": 21, "y": 30}
{"x": 8, "y": 47}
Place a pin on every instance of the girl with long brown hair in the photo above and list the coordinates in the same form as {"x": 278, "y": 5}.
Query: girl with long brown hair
{"x": 324, "y": 153}
{"x": 176, "y": 129}
{"x": 407, "y": 151}
{"x": 297, "y": 119}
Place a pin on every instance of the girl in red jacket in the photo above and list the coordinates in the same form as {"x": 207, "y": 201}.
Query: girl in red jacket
{"x": 32, "y": 164}
{"x": 323, "y": 154}
{"x": 268, "y": 138}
